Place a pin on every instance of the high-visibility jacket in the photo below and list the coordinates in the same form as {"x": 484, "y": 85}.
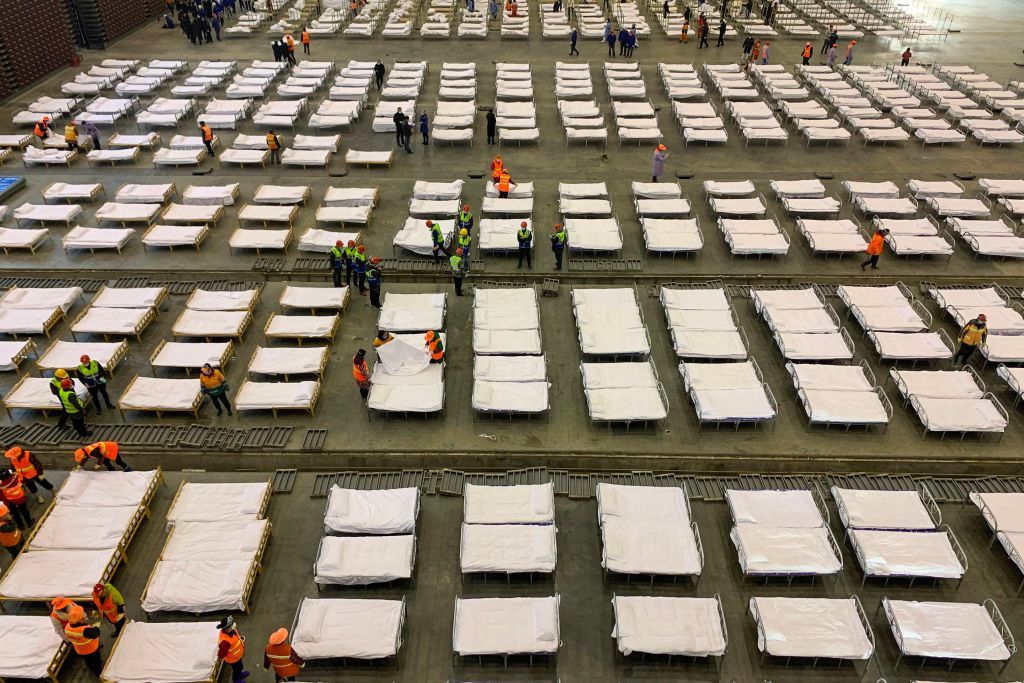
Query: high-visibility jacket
{"x": 55, "y": 386}
{"x": 272, "y": 142}
{"x": 41, "y": 129}
{"x": 558, "y": 239}
{"x": 373, "y": 275}
{"x": 503, "y": 180}
{"x": 808, "y": 51}
{"x": 283, "y": 659}
{"x": 69, "y": 400}
{"x": 436, "y": 348}
{"x": 496, "y": 167}
{"x": 10, "y": 534}
{"x": 12, "y": 490}
{"x": 465, "y": 219}
{"x": 350, "y": 252}
{"x": 236, "y": 646}
{"x": 207, "y": 133}
{"x": 83, "y": 644}
{"x": 291, "y": 43}
{"x": 464, "y": 241}
{"x": 436, "y": 235}
{"x": 360, "y": 372}
{"x": 876, "y": 244}
{"x": 337, "y": 257}
{"x": 305, "y": 38}
{"x": 456, "y": 263}
{"x": 108, "y": 449}
{"x": 359, "y": 262}
{"x": 90, "y": 374}
{"x": 23, "y": 465}
{"x": 524, "y": 237}
{"x": 973, "y": 335}
{"x": 108, "y": 606}
{"x": 70, "y": 133}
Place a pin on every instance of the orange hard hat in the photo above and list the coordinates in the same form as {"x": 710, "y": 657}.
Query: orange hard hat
{"x": 558, "y": 226}
{"x": 278, "y": 636}
{"x": 853, "y": 42}
{"x": 4, "y": 510}
{"x": 523, "y": 224}
{"x": 465, "y": 207}
{"x": 46, "y": 118}
{"x": 13, "y": 452}
{"x": 66, "y": 384}
{"x": 459, "y": 251}
{"x": 497, "y": 156}
{"x": 338, "y": 243}
{"x": 374, "y": 259}
{"x": 59, "y": 602}
{"x": 429, "y": 335}
{"x": 79, "y": 455}
{"x": 85, "y": 358}
{"x": 76, "y": 614}
{"x": 661, "y": 148}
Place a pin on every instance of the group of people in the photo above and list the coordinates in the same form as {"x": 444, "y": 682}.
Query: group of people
{"x": 202, "y": 20}
{"x": 358, "y": 270}
{"x": 83, "y": 629}
{"x": 71, "y": 133}
{"x": 626, "y": 38}
{"x": 754, "y": 52}
{"x": 403, "y": 129}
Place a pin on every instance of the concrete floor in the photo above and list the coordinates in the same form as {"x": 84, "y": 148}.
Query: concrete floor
{"x": 989, "y": 42}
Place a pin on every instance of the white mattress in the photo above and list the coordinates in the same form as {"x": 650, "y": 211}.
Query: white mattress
{"x": 412, "y": 312}
{"x": 485, "y": 626}
{"x": 27, "y": 298}
{"x": 214, "y": 541}
{"x": 363, "y": 560}
{"x": 190, "y": 354}
{"x": 288, "y": 361}
{"x": 110, "y": 320}
{"x": 906, "y": 553}
{"x": 214, "y": 323}
{"x": 639, "y": 544}
{"x": 223, "y": 195}
{"x": 830, "y": 406}
{"x": 276, "y": 395}
{"x": 810, "y": 627}
{"x": 197, "y": 585}
{"x": 48, "y": 573}
{"x": 389, "y": 511}
{"x": 667, "y": 625}
{"x": 829, "y": 377}
{"x": 163, "y": 653}
{"x": 1002, "y": 511}
{"x": 525, "y": 504}
{"x": 65, "y": 354}
{"x": 122, "y": 213}
{"x": 909, "y": 346}
{"x": 235, "y": 501}
{"x": 75, "y": 527}
{"x": 267, "y": 213}
{"x": 508, "y": 548}
{"x": 301, "y": 326}
{"x": 767, "y": 550}
{"x": 937, "y": 383}
{"x": 950, "y": 630}
{"x": 959, "y": 414}
{"x": 96, "y": 238}
{"x": 353, "y": 628}
{"x": 888, "y": 510}
{"x": 791, "y": 509}
{"x": 24, "y": 321}
{"x": 31, "y": 644}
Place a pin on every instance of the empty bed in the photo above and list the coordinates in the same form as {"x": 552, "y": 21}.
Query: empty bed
{"x": 688, "y": 627}
{"x": 348, "y": 628}
{"x": 364, "y": 560}
{"x": 815, "y": 628}
{"x": 388, "y": 511}
{"x": 506, "y": 626}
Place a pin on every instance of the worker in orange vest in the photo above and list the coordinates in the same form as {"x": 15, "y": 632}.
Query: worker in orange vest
{"x": 12, "y": 492}
{"x": 10, "y": 534}
{"x": 274, "y": 145}
{"x": 875, "y": 248}
{"x": 28, "y": 466}
{"x": 42, "y": 129}
{"x": 230, "y": 648}
{"x": 61, "y": 608}
{"x": 807, "y": 53}
{"x": 505, "y": 182}
{"x": 496, "y": 165}
{"x": 105, "y": 452}
{"x": 85, "y": 638}
{"x": 434, "y": 345}
{"x": 304, "y": 37}
{"x": 290, "y": 42}
{"x": 206, "y": 133}
{"x": 110, "y": 603}
{"x": 280, "y": 655}
{"x": 361, "y": 373}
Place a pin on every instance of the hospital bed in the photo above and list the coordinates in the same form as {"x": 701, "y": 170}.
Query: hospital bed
{"x": 164, "y": 653}
{"x": 812, "y": 628}
{"x": 702, "y": 323}
{"x": 683, "y": 627}
{"x": 377, "y": 512}
{"x": 610, "y": 322}
{"x": 13, "y": 353}
{"x": 171, "y": 236}
{"x": 506, "y": 626}
{"x": 64, "y": 354}
{"x": 730, "y": 394}
{"x": 285, "y": 362}
{"x": 348, "y": 628}
{"x": 91, "y": 239}
{"x": 35, "y": 650}
{"x": 364, "y": 560}
{"x": 112, "y": 322}
{"x": 838, "y": 395}
{"x": 11, "y": 239}
{"x": 624, "y": 392}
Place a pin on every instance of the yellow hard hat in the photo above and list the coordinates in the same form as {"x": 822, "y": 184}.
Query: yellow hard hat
{"x": 463, "y": 232}
{"x": 61, "y": 373}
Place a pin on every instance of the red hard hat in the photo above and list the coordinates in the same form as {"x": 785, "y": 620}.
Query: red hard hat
{"x": 465, "y": 207}
{"x": 981, "y": 316}
{"x": 374, "y": 259}
{"x": 361, "y": 249}
{"x": 13, "y": 452}
{"x": 523, "y": 224}
{"x": 66, "y": 384}
{"x": 351, "y": 243}
{"x": 84, "y": 358}
{"x": 429, "y": 223}
{"x": 338, "y": 243}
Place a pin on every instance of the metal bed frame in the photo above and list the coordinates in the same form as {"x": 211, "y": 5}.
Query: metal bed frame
{"x": 789, "y": 576}
{"x": 717, "y": 659}
{"x": 457, "y": 658}
{"x": 411, "y": 581}
{"x": 927, "y": 500}
{"x": 844, "y": 335}
{"x": 728, "y": 238}
{"x": 629, "y": 422}
{"x": 953, "y": 542}
{"x": 923, "y": 313}
{"x": 615, "y": 357}
{"x": 737, "y": 422}
{"x": 695, "y": 577}
{"x": 391, "y": 659}
{"x": 901, "y": 386}
{"x": 923, "y": 417}
{"x": 840, "y": 253}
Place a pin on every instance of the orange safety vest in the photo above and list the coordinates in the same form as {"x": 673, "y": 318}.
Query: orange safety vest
{"x": 40, "y": 130}
{"x": 62, "y": 619}
{"x": 207, "y": 133}
{"x": 23, "y": 466}
{"x": 496, "y": 168}
{"x": 236, "y": 647}
{"x": 359, "y": 373}
{"x": 108, "y": 608}
{"x": 291, "y": 43}
{"x": 503, "y": 181}
{"x": 14, "y": 492}
{"x": 807, "y": 51}
{"x": 272, "y": 142}
{"x": 82, "y": 644}
{"x": 875, "y": 247}
{"x": 280, "y": 657}
{"x": 435, "y": 352}
{"x": 9, "y": 539}
{"x": 305, "y": 37}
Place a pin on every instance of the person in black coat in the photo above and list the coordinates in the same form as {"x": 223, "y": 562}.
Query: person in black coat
{"x": 492, "y": 126}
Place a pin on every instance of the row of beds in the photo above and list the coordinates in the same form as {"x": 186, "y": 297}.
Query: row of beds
{"x": 216, "y": 537}
{"x": 311, "y": 314}
{"x": 171, "y": 220}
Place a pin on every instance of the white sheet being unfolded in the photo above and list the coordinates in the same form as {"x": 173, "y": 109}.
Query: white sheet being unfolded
{"x": 362, "y": 560}
{"x": 234, "y": 501}
{"x": 45, "y": 574}
{"x": 353, "y": 628}
{"x": 487, "y": 626}
{"x": 31, "y": 644}
{"x": 766, "y": 550}
{"x": 197, "y": 586}
{"x": 524, "y": 504}
{"x": 810, "y": 627}
{"x": 507, "y": 548}
{"x": 950, "y": 630}
{"x": 388, "y": 511}
{"x": 175, "y": 652}
{"x": 906, "y": 553}
{"x": 673, "y": 626}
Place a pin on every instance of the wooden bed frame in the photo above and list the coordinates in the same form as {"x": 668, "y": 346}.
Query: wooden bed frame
{"x": 70, "y": 159}
{"x": 368, "y": 164}
{"x": 160, "y": 299}
{"x": 299, "y": 339}
{"x": 201, "y": 155}
{"x": 30, "y": 247}
{"x": 258, "y": 250}
{"x": 203, "y": 234}
{"x": 170, "y": 192}
{"x": 193, "y": 410}
{"x": 152, "y": 144}
{"x": 312, "y": 311}
{"x": 92, "y": 250}
{"x": 266, "y": 223}
{"x": 242, "y": 164}
{"x": 140, "y": 327}
{"x": 218, "y": 664}
{"x": 93, "y": 196}
{"x": 125, "y": 222}
{"x": 311, "y": 409}
{"x": 114, "y": 162}
{"x": 24, "y": 142}
{"x": 217, "y": 215}
{"x": 45, "y": 410}
{"x": 55, "y": 665}
{"x": 252, "y": 305}
{"x": 237, "y": 334}
{"x": 319, "y": 372}
{"x": 302, "y": 202}
{"x": 6, "y": 154}
{"x": 225, "y": 357}
{"x": 263, "y": 505}
{"x": 119, "y": 354}
{"x": 28, "y": 347}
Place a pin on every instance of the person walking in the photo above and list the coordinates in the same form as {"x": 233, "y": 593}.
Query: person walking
{"x": 378, "y": 74}
{"x": 424, "y": 128}
{"x": 559, "y": 240}
{"x": 875, "y": 248}
{"x": 10, "y": 534}
{"x": 755, "y": 52}
{"x": 110, "y": 603}
{"x": 458, "y": 266}
{"x": 436, "y": 239}
{"x": 573, "y": 37}
{"x": 972, "y": 335}
{"x": 289, "y": 42}
{"x": 213, "y": 384}
{"x": 304, "y": 38}
{"x": 721, "y": 33}
{"x": 26, "y": 465}
{"x": 610, "y": 39}
{"x": 407, "y": 133}
{"x": 359, "y": 269}
{"x": 849, "y": 52}
{"x": 703, "y": 36}
{"x": 905, "y": 57}
{"x": 73, "y": 407}
{"x": 658, "y": 163}
{"x": 764, "y": 52}
{"x": 94, "y": 134}
{"x": 831, "y": 56}
{"x": 807, "y": 53}
{"x": 274, "y": 144}
{"x": 463, "y": 241}
{"x": 361, "y": 373}
{"x": 280, "y": 655}
{"x": 85, "y": 639}
{"x": 94, "y": 377}
{"x": 492, "y": 125}
{"x": 684, "y": 34}
{"x": 12, "y": 493}
{"x": 524, "y": 238}
{"x": 748, "y": 45}
{"x": 496, "y": 165}
{"x": 231, "y": 649}
{"x": 107, "y": 452}
{"x": 206, "y": 134}
{"x": 464, "y": 220}
{"x": 664, "y": 10}
{"x": 373, "y": 278}
{"x": 623, "y": 40}
{"x": 215, "y": 24}
{"x": 336, "y": 261}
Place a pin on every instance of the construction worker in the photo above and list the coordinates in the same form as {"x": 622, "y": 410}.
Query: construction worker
{"x": 231, "y": 648}
{"x": 359, "y": 268}
{"x": 361, "y": 373}
{"x": 559, "y": 240}
{"x": 94, "y": 377}
{"x": 73, "y": 406}
{"x": 61, "y": 608}
{"x": 436, "y": 240}
{"x": 973, "y": 335}
{"x": 274, "y": 145}
{"x": 465, "y": 220}
{"x": 206, "y": 133}
{"x": 106, "y": 452}
{"x": 12, "y": 492}
{"x": 505, "y": 183}
{"x": 85, "y": 638}
{"x": 807, "y": 53}
{"x": 435, "y": 346}
{"x": 213, "y": 383}
{"x": 875, "y": 248}
{"x": 336, "y": 262}
{"x": 304, "y": 37}
{"x": 350, "y": 254}
{"x": 71, "y": 136}
{"x": 463, "y": 242}
{"x": 30, "y": 469}
{"x": 524, "y": 236}
{"x": 10, "y": 534}
{"x": 290, "y": 44}
{"x": 373, "y": 277}
{"x": 382, "y": 338}
{"x": 458, "y": 265}
{"x": 58, "y": 376}
{"x": 280, "y": 655}
{"x": 110, "y": 603}
{"x": 42, "y": 129}
{"x": 496, "y": 165}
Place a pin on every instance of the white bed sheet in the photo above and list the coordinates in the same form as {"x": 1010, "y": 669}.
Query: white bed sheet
{"x": 175, "y": 652}
{"x": 363, "y": 560}
{"x": 792, "y": 509}
{"x": 197, "y": 585}
{"x": 485, "y": 626}
{"x": 354, "y": 628}
{"x": 906, "y": 553}
{"x": 208, "y": 502}
{"x": 950, "y": 630}
{"x": 46, "y": 574}
{"x": 214, "y": 540}
{"x": 524, "y": 504}
{"x": 74, "y": 527}
{"x": 961, "y": 415}
{"x": 668, "y": 625}
{"x": 389, "y": 511}
{"x": 31, "y": 644}
{"x": 634, "y": 545}
{"x": 1002, "y": 511}
{"x": 889, "y": 510}
{"x": 766, "y": 550}
{"x": 810, "y": 627}
{"x": 276, "y": 395}
{"x": 507, "y": 548}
